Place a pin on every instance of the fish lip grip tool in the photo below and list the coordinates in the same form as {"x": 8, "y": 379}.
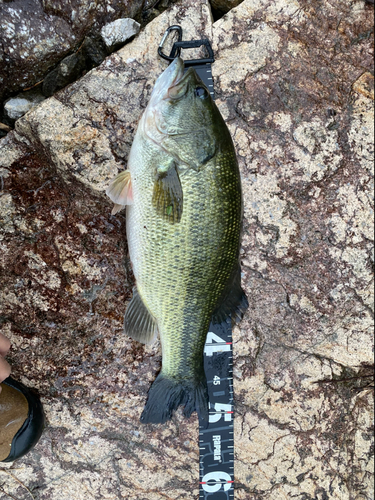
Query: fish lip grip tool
{"x": 201, "y": 66}
{"x": 216, "y": 441}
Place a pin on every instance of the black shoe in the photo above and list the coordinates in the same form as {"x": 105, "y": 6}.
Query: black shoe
{"x": 21, "y": 420}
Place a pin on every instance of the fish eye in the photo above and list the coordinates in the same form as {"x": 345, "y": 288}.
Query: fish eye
{"x": 201, "y": 92}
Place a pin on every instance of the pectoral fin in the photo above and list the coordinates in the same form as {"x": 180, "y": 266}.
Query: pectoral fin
{"x": 167, "y": 196}
{"x": 120, "y": 191}
{"x": 139, "y": 324}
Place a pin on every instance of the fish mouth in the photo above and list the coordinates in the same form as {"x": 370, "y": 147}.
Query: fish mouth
{"x": 177, "y": 69}
{"x": 170, "y": 77}
{"x": 178, "y": 86}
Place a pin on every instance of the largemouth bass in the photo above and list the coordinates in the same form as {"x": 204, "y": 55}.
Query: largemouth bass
{"x": 184, "y": 208}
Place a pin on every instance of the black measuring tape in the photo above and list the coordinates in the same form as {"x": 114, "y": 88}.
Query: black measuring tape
{"x": 216, "y": 443}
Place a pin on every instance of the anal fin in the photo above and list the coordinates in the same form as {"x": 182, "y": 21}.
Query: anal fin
{"x": 139, "y": 324}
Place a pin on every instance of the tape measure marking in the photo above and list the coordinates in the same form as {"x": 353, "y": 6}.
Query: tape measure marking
{"x": 216, "y": 443}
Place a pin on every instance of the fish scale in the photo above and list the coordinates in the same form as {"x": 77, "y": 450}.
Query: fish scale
{"x": 174, "y": 275}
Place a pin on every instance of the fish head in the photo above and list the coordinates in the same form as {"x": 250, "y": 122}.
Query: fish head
{"x": 182, "y": 118}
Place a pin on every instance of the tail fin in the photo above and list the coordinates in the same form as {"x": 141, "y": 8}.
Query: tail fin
{"x": 167, "y": 394}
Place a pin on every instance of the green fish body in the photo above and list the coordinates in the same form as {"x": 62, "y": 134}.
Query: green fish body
{"x": 184, "y": 209}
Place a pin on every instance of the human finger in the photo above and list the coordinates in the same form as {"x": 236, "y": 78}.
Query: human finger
{"x": 4, "y": 369}
{"x": 4, "y": 345}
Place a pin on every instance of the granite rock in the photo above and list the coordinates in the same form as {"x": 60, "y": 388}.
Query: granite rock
{"x": 91, "y": 53}
{"x": 119, "y": 31}
{"x": 67, "y": 71}
{"x": 294, "y": 84}
{"x": 94, "y": 50}
{"x": 17, "y": 106}
{"x": 221, "y": 7}
{"x": 35, "y": 35}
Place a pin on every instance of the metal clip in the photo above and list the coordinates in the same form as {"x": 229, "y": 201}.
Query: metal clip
{"x": 177, "y": 46}
{"x": 165, "y": 36}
